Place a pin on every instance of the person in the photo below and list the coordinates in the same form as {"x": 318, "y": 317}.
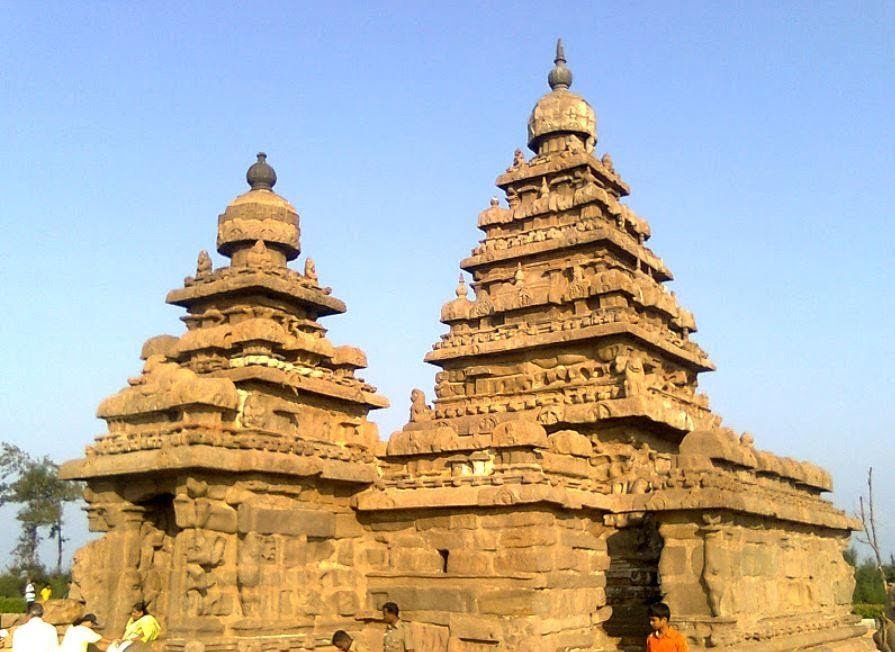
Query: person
{"x": 46, "y": 593}
{"x": 141, "y": 626}
{"x": 397, "y": 637}
{"x": 342, "y": 641}
{"x": 35, "y": 635}
{"x": 80, "y": 635}
{"x": 663, "y": 637}
{"x": 30, "y": 595}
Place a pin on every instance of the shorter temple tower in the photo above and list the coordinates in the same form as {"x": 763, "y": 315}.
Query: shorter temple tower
{"x": 222, "y": 485}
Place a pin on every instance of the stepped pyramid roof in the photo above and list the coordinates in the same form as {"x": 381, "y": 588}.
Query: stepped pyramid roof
{"x": 253, "y": 383}
{"x": 570, "y": 374}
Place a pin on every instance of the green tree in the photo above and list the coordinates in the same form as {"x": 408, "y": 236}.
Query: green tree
{"x": 42, "y": 495}
{"x": 869, "y": 587}
{"x": 12, "y": 458}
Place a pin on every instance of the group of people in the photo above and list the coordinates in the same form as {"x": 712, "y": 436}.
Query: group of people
{"x": 31, "y": 595}
{"x": 39, "y": 636}
{"x": 397, "y": 636}
{"x": 662, "y": 638}
{"x": 36, "y": 635}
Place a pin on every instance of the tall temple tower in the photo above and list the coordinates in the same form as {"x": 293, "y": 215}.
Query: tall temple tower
{"x": 571, "y": 325}
{"x": 223, "y": 483}
{"x": 567, "y": 474}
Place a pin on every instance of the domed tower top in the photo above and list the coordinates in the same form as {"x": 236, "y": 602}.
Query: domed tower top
{"x": 561, "y": 120}
{"x": 259, "y": 221}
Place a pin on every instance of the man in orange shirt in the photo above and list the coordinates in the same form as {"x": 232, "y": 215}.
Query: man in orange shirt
{"x": 664, "y": 637}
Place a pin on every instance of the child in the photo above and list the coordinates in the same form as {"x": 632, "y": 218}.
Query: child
{"x": 664, "y": 637}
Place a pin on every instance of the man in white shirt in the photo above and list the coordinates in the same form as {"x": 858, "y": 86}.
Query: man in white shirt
{"x": 30, "y": 595}
{"x": 35, "y": 635}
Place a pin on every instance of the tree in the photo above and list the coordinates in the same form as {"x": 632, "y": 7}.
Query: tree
{"x": 867, "y": 514}
{"x": 885, "y": 633}
{"x": 12, "y": 458}
{"x": 42, "y": 496}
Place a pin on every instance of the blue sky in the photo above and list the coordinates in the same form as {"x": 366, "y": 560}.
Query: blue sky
{"x": 757, "y": 138}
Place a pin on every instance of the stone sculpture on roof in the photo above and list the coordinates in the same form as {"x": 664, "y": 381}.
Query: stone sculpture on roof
{"x": 567, "y": 473}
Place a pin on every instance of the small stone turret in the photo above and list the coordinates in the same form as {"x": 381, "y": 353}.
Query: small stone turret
{"x": 259, "y": 216}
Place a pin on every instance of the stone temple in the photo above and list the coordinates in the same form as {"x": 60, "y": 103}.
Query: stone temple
{"x": 566, "y": 474}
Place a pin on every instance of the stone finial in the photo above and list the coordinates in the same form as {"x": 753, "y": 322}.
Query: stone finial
{"x": 260, "y": 175}
{"x": 462, "y": 291}
{"x": 560, "y": 76}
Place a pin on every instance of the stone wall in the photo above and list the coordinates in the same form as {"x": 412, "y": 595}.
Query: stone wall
{"x": 735, "y": 580}
{"x": 530, "y": 578}
{"x": 222, "y": 557}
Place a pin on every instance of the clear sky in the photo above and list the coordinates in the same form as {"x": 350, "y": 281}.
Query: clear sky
{"x": 757, "y": 138}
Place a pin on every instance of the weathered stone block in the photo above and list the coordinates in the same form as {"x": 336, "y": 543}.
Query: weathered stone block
{"x": 674, "y": 561}
{"x": 470, "y": 562}
{"x": 416, "y": 559}
{"x": 509, "y": 603}
{"x": 347, "y": 603}
{"x": 377, "y": 557}
{"x": 431, "y": 597}
{"x": 286, "y": 521}
{"x": 345, "y": 552}
{"x": 391, "y": 526}
{"x": 582, "y": 539}
{"x": 474, "y": 628}
{"x": 524, "y": 537}
{"x": 524, "y": 560}
{"x": 516, "y": 519}
{"x": 320, "y": 550}
{"x": 347, "y": 526}
{"x": 433, "y": 521}
{"x": 464, "y": 521}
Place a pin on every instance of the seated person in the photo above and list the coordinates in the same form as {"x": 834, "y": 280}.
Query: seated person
{"x": 142, "y": 627}
{"x": 81, "y": 637}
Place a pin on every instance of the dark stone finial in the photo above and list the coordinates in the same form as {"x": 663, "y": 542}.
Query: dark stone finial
{"x": 260, "y": 175}
{"x": 560, "y": 77}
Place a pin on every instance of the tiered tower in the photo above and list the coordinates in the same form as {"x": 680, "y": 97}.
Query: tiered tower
{"x": 569, "y": 472}
{"x": 571, "y": 325}
{"x": 223, "y": 483}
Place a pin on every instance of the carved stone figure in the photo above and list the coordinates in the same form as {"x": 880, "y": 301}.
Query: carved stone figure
{"x": 419, "y": 411}
{"x": 630, "y": 366}
{"x": 203, "y": 265}
{"x": 259, "y": 256}
{"x": 310, "y": 269}
{"x": 607, "y": 162}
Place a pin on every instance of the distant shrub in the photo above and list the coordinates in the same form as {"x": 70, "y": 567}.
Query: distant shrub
{"x": 868, "y": 609}
{"x": 11, "y": 584}
{"x": 12, "y": 605}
